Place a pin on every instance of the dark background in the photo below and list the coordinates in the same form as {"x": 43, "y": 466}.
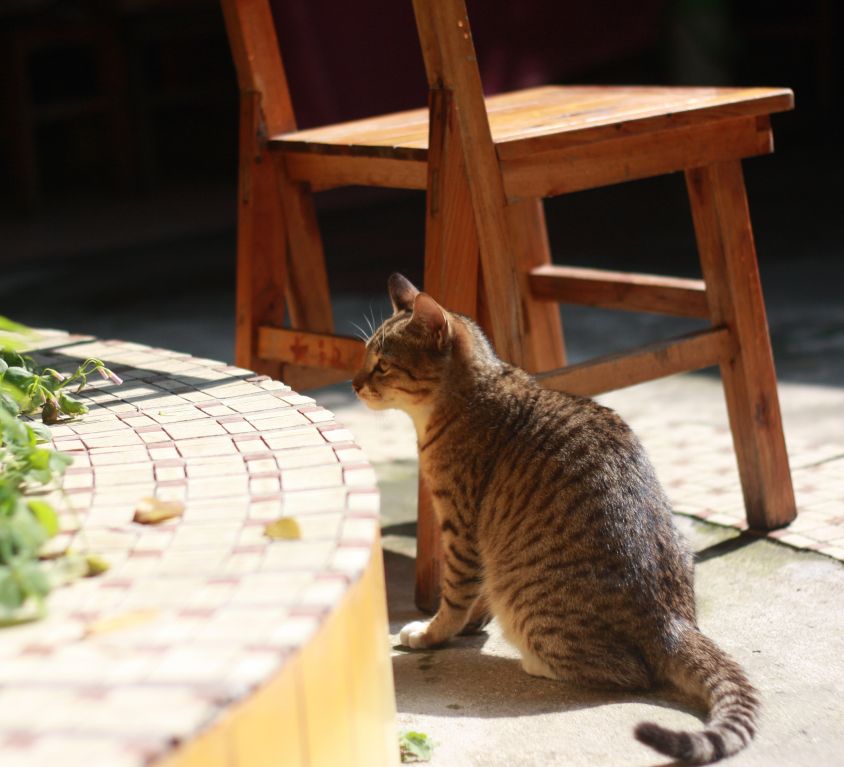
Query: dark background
{"x": 119, "y": 145}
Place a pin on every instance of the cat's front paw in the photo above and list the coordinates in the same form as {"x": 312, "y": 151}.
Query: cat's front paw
{"x": 415, "y": 635}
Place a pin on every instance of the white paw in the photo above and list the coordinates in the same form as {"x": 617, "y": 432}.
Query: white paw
{"x": 413, "y": 635}
{"x": 536, "y": 667}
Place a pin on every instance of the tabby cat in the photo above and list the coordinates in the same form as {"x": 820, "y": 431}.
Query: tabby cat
{"x": 552, "y": 519}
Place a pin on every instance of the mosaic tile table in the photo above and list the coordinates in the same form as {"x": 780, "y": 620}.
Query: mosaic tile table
{"x": 206, "y": 644}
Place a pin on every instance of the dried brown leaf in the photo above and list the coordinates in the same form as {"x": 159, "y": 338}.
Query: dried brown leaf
{"x": 152, "y": 511}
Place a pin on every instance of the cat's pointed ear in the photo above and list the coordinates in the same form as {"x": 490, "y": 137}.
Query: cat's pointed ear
{"x": 433, "y": 317}
{"x": 402, "y": 292}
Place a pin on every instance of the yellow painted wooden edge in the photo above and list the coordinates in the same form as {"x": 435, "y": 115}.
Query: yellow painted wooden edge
{"x": 331, "y": 703}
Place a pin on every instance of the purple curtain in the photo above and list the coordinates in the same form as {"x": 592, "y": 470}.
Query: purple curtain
{"x": 346, "y": 60}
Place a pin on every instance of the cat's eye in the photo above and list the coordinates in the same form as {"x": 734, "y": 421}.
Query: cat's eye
{"x": 381, "y": 367}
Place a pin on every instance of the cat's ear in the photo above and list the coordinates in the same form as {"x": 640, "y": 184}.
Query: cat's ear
{"x": 402, "y": 292}
{"x": 433, "y": 317}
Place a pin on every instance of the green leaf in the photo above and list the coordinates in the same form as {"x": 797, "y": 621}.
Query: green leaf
{"x": 10, "y": 354}
{"x": 415, "y": 746}
{"x": 59, "y": 462}
{"x": 39, "y": 458}
{"x": 32, "y": 579}
{"x": 13, "y": 336}
{"x": 11, "y": 594}
{"x": 46, "y": 516}
{"x": 23, "y": 533}
{"x": 8, "y": 399}
{"x": 71, "y": 406}
{"x": 18, "y": 377}
{"x": 41, "y": 476}
{"x": 41, "y": 431}
{"x": 10, "y": 326}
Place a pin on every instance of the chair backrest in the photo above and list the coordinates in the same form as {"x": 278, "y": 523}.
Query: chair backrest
{"x": 454, "y": 81}
{"x": 257, "y": 59}
{"x": 445, "y": 37}
{"x": 452, "y": 69}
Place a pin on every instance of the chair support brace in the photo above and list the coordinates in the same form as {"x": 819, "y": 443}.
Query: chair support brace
{"x": 692, "y": 351}
{"x": 322, "y": 350}
{"x": 620, "y": 290}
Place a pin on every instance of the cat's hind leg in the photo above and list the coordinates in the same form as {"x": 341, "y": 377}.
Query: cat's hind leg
{"x": 594, "y": 664}
{"x": 536, "y": 666}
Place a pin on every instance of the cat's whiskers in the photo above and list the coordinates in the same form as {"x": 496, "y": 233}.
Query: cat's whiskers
{"x": 361, "y": 333}
{"x": 370, "y": 320}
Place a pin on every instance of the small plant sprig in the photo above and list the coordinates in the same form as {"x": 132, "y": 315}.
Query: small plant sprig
{"x": 26, "y": 522}
{"x": 27, "y": 388}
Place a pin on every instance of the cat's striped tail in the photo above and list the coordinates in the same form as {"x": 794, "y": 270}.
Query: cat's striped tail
{"x": 702, "y": 669}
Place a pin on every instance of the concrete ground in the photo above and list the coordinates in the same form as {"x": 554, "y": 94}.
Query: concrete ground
{"x": 778, "y": 611}
{"x": 162, "y": 274}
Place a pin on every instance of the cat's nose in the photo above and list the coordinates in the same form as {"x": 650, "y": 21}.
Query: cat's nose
{"x": 357, "y": 383}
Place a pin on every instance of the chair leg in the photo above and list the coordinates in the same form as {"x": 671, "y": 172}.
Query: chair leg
{"x": 543, "y": 329}
{"x": 728, "y": 259}
{"x": 451, "y": 277}
{"x": 307, "y": 291}
{"x": 429, "y": 552}
{"x": 261, "y": 244}
{"x": 308, "y": 296}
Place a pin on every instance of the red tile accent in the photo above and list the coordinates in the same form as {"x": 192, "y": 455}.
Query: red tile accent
{"x": 197, "y": 612}
{"x": 36, "y": 649}
{"x": 253, "y": 549}
{"x": 361, "y": 515}
{"x": 245, "y": 437}
{"x": 21, "y": 741}
{"x": 116, "y": 583}
{"x": 209, "y": 404}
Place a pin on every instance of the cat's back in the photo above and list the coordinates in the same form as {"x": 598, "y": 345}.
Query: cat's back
{"x": 568, "y": 496}
{"x": 559, "y": 478}
{"x": 511, "y": 415}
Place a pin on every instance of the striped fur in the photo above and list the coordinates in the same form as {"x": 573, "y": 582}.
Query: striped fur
{"x": 552, "y": 519}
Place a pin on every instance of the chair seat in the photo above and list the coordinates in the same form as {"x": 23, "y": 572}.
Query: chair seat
{"x": 545, "y": 119}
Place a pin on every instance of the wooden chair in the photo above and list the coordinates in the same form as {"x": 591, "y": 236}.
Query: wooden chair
{"x": 486, "y": 165}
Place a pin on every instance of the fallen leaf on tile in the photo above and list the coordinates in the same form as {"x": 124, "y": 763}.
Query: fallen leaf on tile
{"x": 415, "y": 747}
{"x": 120, "y": 622}
{"x": 151, "y": 511}
{"x": 283, "y": 529}
{"x": 96, "y": 565}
